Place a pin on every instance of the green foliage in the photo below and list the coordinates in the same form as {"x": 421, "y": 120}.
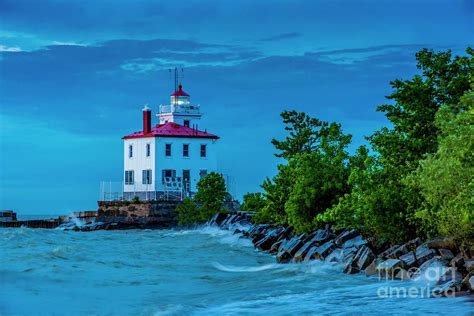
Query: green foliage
{"x": 418, "y": 179}
{"x": 446, "y": 178}
{"x": 314, "y": 176}
{"x": 303, "y": 134}
{"x": 380, "y": 202}
{"x": 208, "y": 200}
{"x": 188, "y": 213}
{"x": 211, "y": 195}
{"x": 136, "y": 199}
{"x": 253, "y": 202}
{"x": 276, "y": 193}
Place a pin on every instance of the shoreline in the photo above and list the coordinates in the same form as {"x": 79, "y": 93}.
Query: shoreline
{"x": 450, "y": 271}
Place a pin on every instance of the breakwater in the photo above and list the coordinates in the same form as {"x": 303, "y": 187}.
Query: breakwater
{"x": 451, "y": 270}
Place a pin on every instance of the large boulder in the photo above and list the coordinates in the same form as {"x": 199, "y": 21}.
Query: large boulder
{"x": 468, "y": 282}
{"x": 402, "y": 274}
{"x": 458, "y": 261}
{"x": 258, "y": 232}
{"x": 442, "y": 243}
{"x": 269, "y": 239}
{"x": 345, "y": 236}
{"x": 417, "y": 258}
{"x": 303, "y": 251}
{"x": 320, "y": 252}
{"x": 315, "y": 239}
{"x": 446, "y": 254}
{"x": 356, "y": 242}
{"x": 371, "y": 269}
{"x": 469, "y": 265}
{"x": 276, "y": 246}
{"x": 359, "y": 261}
{"x": 288, "y": 249}
{"x": 389, "y": 268}
{"x": 388, "y": 252}
{"x": 350, "y": 268}
{"x": 321, "y": 236}
{"x": 325, "y": 249}
{"x": 449, "y": 282}
{"x": 404, "y": 249}
{"x": 364, "y": 257}
{"x": 436, "y": 266}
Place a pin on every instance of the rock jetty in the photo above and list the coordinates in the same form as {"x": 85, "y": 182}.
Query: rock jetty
{"x": 454, "y": 270}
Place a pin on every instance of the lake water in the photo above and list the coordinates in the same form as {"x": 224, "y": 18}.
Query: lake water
{"x": 205, "y": 271}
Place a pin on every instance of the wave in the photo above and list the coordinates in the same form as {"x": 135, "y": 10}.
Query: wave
{"x": 230, "y": 268}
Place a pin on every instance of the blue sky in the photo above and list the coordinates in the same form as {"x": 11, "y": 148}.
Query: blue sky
{"x": 74, "y": 76}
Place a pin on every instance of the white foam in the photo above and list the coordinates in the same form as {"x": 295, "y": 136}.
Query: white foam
{"x": 230, "y": 268}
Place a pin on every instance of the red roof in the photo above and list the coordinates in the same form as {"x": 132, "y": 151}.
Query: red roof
{"x": 172, "y": 130}
{"x": 179, "y": 92}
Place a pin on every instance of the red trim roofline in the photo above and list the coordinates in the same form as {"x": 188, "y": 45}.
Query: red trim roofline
{"x": 172, "y": 130}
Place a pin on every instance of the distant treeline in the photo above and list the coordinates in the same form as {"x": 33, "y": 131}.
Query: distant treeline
{"x": 413, "y": 179}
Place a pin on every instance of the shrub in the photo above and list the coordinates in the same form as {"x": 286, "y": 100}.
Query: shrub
{"x": 208, "y": 201}
{"x": 188, "y": 213}
{"x": 253, "y": 202}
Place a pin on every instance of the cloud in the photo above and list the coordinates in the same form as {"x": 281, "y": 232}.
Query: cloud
{"x": 353, "y": 55}
{"x": 4, "y": 48}
{"x": 280, "y": 37}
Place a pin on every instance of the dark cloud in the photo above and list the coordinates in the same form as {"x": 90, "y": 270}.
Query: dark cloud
{"x": 283, "y": 36}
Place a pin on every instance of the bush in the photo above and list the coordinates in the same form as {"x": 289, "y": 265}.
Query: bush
{"x": 208, "y": 201}
{"x": 253, "y": 202}
{"x": 188, "y": 213}
{"x": 446, "y": 178}
{"x": 211, "y": 195}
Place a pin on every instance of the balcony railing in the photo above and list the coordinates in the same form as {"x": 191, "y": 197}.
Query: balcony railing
{"x": 179, "y": 108}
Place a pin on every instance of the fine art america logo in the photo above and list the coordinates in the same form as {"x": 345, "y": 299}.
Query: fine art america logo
{"x": 433, "y": 281}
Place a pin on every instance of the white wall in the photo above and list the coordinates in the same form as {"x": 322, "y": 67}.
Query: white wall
{"x": 139, "y": 162}
{"x": 158, "y": 161}
{"x": 177, "y": 162}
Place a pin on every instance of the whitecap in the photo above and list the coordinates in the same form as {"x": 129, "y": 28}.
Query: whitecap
{"x": 230, "y": 268}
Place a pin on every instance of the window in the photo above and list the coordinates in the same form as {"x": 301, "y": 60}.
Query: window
{"x": 202, "y": 173}
{"x": 129, "y": 176}
{"x": 185, "y": 150}
{"x": 186, "y": 175}
{"x": 168, "y": 173}
{"x": 148, "y": 150}
{"x": 186, "y": 123}
{"x": 146, "y": 176}
{"x": 130, "y": 151}
{"x": 203, "y": 151}
{"x": 187, "y": 180}
{"x": 168, "y": 150}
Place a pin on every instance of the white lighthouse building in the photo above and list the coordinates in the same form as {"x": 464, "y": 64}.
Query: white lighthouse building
{"x": 167, "y": 160}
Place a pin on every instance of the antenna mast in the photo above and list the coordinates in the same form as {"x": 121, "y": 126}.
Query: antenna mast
{"x": 177, "y": 81}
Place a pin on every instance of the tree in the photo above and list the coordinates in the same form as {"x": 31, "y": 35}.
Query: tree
{"x": 253, "y": 202}
{"x": 276, "y": 193}
{"x": 208, "y": 200}
{"x": 303, "y": 134}
{"x": 380, "y": 200}
{"x": 314, "y": 176}
{"x": 188, "y": 213}
{"x": 211, "y": 194}
{"x": 446, "y": 178}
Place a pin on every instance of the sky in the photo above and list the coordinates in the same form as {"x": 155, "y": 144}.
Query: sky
{"x": 74, "y": 76}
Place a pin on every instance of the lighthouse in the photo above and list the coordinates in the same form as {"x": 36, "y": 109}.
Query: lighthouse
{"x": 166, "y": 160}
